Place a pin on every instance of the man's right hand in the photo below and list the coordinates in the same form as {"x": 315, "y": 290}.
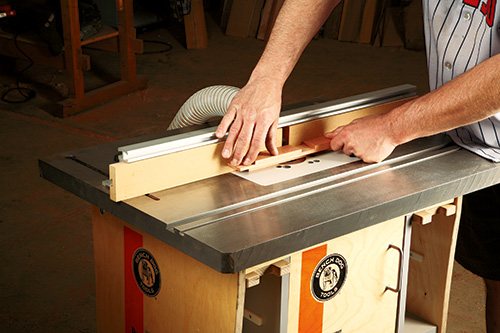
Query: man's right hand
{"x": 252, "y": 119}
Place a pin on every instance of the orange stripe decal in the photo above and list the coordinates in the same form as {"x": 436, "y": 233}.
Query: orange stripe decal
{"x": 134, "y": 313}
{"x": 310, "y": 310}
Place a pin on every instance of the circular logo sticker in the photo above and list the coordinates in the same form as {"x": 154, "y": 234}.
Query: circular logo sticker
{"x": 146, "y": 272}
{"x": 328, "y": 277}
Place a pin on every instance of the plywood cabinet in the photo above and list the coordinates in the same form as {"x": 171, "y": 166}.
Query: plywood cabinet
{"x": 352, "y": 283}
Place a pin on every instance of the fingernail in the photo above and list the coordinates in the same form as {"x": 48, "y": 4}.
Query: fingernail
{"x": 247, "y": 162}
{"x": 226, "y": 153}
{"x": 234, "y": 162}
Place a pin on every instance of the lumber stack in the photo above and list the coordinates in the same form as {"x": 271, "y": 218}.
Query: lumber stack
{"x": 360, "y": 21}
{"x": 250, "y": 18}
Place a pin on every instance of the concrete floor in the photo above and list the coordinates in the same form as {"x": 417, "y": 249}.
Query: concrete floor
{"x": 47, "y": 277}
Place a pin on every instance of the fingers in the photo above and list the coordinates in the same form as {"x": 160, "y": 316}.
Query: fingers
{"x": 261, "y": 134}
{"x": 242, "y": 143}
{"x": 340, "y": 142}
{"x": 246, "y": 139}
{"x": 336, "y": 143}
{"x": 250, "y": 121}
{"x": 349, "y": 151}
{"x": 334, "y": 133}
{"x": 271, "y": 139}
{"x": 226, "y": 121}
{"x": 231, "y": 139}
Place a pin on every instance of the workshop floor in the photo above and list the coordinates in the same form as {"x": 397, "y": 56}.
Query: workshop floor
{"x": 47, "y": 275}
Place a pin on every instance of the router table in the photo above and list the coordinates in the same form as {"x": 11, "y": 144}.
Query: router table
{"x": 325, "y": 243}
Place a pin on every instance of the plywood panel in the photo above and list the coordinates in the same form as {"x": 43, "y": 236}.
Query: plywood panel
{"x": 192, "y": 297}
{"x": 429, "y": 278}
{"x": 108, "y": 254}
{"x": 362, "y": 304}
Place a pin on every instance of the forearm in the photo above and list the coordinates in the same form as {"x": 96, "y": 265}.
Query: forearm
{"x": 252, "y": 117}
{"x": 295, "y": 26}
{"x": 470, "y": 97}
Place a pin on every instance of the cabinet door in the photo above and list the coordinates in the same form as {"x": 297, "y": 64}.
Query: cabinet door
{"x": 340, "y": 286}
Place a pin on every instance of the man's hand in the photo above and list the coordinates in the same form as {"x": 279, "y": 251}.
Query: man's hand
{"x": 252, "y": 119}
{"x": 368, "y": 138}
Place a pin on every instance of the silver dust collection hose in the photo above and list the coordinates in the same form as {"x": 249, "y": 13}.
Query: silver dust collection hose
{"x": 204, "y": 105}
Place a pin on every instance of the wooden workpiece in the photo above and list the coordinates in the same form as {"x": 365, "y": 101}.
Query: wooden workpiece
{"x": 286, "y": 154}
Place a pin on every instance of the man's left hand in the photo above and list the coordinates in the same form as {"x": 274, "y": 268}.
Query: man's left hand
{"x": 367, "y": 138}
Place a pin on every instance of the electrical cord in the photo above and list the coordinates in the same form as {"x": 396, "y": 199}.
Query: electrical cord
{"x": 168, "y": 48}
{"x": 26, "y": 93}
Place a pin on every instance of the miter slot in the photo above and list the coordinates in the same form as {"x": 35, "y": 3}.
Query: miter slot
{"x": 87, "y": 165}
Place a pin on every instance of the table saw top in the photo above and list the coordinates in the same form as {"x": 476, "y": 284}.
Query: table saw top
{"x": 231, "y": 223}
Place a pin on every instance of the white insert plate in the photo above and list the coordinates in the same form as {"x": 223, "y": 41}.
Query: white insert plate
{"x": 299, "y": 168}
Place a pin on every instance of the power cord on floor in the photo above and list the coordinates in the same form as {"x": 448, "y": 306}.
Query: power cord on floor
{"x": 168, "y": 48}
{"x": 26, "y": 93}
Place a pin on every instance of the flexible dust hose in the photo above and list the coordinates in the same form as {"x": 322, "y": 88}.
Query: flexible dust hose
{"x": 204, "y": 105}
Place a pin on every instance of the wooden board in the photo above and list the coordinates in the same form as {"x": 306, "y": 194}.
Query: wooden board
{"x": 264, "y": 301}
{"x": 158, "y": 173}
{"x": 256, "y": 17}
{"x": 195, "y": 27}
{"x": 240, "y": 18}
{"x": 352, "y": 17}
{"x": 362, "y": 304}
{"x": 369, "y": 12}
{"x": 332, "y": 24}
{"x": 131, "y": 180}
{"x": 429, "y": 278}
{"x": 226, "y": 11}
{"x": 264, "y": 19}
{"x": 192, "y": 297}
{"x": 287, "y": 153}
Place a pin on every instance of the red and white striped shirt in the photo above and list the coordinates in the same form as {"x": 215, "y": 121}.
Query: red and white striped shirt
{"x": 459, "y": 35}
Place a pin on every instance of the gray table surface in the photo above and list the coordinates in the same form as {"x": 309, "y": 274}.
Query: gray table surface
{"x": 231, "y": 224}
